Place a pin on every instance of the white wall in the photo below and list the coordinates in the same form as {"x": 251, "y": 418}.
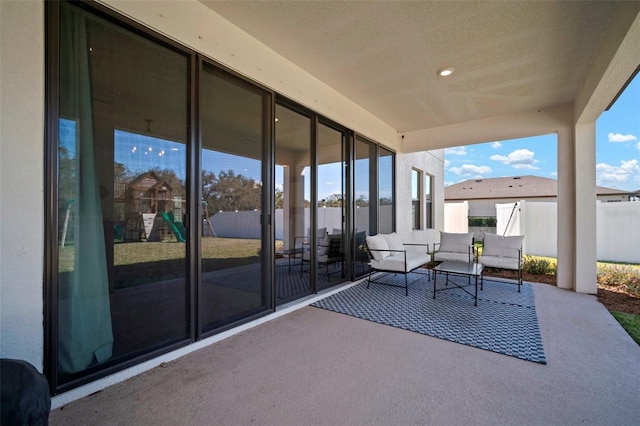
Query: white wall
{"x": 21, "y": 180}
{"x": 431, "y": 162}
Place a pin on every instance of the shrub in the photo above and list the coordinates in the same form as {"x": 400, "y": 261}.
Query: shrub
{"x": 623, "y": 276}
{"x": 538, "y": 266}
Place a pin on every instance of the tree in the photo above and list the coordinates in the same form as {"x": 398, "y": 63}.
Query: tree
{"x": 228, "y": 192}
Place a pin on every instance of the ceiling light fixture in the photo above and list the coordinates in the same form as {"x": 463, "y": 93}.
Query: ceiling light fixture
{"x": 445, "y": 72}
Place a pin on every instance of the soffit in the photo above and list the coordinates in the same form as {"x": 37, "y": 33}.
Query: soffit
{"x": 509, "y": 57}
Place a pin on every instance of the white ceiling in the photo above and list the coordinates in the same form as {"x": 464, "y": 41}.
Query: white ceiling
{"x": 508, "y": 56}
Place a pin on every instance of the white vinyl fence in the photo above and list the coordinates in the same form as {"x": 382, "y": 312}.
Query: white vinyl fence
{"x": 618, "y": 228}
{"x": 456, "y": 217}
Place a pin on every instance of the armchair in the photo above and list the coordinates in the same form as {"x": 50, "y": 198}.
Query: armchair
{"x": 388, "y": 253}
{"x": 454, "y": 247}
{"x": 502, "y": 253}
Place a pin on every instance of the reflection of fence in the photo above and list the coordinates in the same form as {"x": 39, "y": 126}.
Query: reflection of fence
{"x": 618, "y": 229}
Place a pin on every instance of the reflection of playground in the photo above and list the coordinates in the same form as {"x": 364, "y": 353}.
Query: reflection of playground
{"x": 152, "y": 212}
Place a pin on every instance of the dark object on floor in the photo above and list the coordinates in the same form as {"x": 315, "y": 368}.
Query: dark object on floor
{"x": 24, "y": 394}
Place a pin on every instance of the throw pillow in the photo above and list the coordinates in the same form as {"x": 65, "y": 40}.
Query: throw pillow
{"x": 394, "y": 242}
{"x": 455, "y": 243}
{"x": 378, "y": 246}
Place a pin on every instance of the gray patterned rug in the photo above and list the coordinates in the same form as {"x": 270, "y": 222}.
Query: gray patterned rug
{"x": 504, "y": 321}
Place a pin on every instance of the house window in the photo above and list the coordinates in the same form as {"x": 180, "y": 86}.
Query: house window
{"x": 428, "y": 200}
{"x": 416, "y": 191}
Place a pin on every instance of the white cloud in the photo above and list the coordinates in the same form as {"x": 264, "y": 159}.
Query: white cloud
{"x": 496, "y": 145}
{"x": 638, "y": 146}
{"x": 447, "y": 163}
{"x": 618, "y": 176}
{"x": 518, "y": 159}
{"x": 470, "y": 170}
{"x": 459, "y": 150}
{"x": 617, "y": 137}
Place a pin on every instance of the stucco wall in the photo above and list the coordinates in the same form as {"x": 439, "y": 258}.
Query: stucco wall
{"x": 431, "y": 162}
{"x": 21, "y": 180}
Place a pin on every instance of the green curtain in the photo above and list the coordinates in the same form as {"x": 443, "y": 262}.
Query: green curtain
{"x": 85, "y": 334}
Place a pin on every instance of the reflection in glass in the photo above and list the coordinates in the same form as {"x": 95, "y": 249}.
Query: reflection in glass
{"x": 231, "y": 242}
{"x": 416, "y": 214}
{"x": 122, "y": 287}
{"x": 385, "y": 191}
{"x": 293, "y": 233}
{"x": 364, "y": 191}
{"x": 330, "y": 189}
{"x": 428, "y": 200}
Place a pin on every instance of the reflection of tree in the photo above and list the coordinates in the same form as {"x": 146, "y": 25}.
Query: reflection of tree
{"x": 172, "y": 179}
{"x": 228, "y": 192}
{"x": 279, "y": 199}
{"x": 362, "y": 201}
{"x": 333, "y": 200}
{"x": 386, "y": 201}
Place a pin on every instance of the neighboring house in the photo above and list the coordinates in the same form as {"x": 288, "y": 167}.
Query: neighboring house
{"x": 484, "y": 194}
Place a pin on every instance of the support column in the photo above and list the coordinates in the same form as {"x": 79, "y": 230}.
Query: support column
{"x": 566, "y": 209}
{"x": 586, "y": 254}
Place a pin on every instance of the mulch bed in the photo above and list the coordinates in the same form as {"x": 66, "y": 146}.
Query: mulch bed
{"x": 612, "y": 298}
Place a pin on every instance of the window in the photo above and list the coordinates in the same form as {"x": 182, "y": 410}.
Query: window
{"x": 428, "y": 201}
{"x": 416, "y": 190}
{"x": 121, "y": 286}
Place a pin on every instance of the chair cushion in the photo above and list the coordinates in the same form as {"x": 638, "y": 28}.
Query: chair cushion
{"x": 443, "y": 256}
{"x": 378, "y": 242}
{"x": 455, "y": 243}
{"x": 500, "y": 262}
{"x": 401, "y": 262}
{"x": 394, "y": 242}
{"x": 323, "y": 245}
{"x": 497, "y": 245}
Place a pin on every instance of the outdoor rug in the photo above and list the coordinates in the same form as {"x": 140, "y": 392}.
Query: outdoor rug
{"x": 504, "y": 321}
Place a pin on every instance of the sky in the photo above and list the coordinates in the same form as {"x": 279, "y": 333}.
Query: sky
{"x": 617, "y": 151}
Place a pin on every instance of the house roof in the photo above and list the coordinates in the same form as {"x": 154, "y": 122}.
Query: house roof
{"x": 511, "y": 187}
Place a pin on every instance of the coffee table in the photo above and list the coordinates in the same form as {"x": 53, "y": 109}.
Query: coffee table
{"x": 469, "y": 270}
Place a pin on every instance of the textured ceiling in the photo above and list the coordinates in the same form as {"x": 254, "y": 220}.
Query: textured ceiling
{"x": 508, "y": 57}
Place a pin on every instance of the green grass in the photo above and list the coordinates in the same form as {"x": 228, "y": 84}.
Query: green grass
{"x": 631, "y": 323}
{"x": 139, "y": 253}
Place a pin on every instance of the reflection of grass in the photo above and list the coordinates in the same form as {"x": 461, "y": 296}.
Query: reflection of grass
{"x": 132, "y": 253}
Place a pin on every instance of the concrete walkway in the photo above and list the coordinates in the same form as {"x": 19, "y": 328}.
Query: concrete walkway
{"x": 314, "y": 367}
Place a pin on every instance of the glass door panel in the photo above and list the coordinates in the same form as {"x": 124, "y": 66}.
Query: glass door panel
{"x": 330, "y": 214}
{"x": 365, "y": 217}
{"x": 122, "y": 270}
{"x": 231, "y": 246}
{"x": 385, "y": 191}
{"x": 294, "y": 237}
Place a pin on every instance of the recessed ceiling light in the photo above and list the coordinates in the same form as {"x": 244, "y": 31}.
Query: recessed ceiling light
{"x": 445, "y": 72}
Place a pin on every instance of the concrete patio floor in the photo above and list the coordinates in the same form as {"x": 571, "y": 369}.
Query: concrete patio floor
{"x": 315, "y": 367}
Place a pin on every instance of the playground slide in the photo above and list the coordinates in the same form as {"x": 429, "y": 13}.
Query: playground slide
{"x": 176, "y": 227}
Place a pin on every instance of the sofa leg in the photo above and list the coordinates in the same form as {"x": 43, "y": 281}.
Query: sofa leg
{"x": 406, "y": 284}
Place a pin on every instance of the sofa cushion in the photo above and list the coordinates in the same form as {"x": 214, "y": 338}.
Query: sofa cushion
{"x": 455, "y": 243}
{"x": 497, "y": 245}
{"x": 394, "y": 242}
{"x": 378, "y": 246}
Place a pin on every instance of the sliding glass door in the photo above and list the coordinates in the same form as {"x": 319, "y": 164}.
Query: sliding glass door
{"x": 233, "y": 121}
{"x": 122, "y": 287}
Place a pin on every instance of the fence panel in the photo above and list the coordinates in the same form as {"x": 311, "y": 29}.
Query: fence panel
{"x": 456, "y": 217}
{"x": 619, "y": 231}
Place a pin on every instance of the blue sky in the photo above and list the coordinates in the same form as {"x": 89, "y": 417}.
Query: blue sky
{"x": 617, "y": 151}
